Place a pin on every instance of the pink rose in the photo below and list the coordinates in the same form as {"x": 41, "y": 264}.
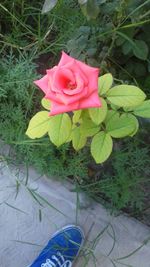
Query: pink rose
{"x": 71, "y": 85}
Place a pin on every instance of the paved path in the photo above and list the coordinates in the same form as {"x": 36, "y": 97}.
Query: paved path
{"x": 32, "y": 209}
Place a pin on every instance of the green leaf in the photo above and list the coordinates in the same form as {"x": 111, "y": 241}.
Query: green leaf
{"x": 135, "y": 122}
{"x": 46, "y": 103}
{"x": 88, "y": 128}
{"x": 125, "y": 95}
{"x": 48, "y": 5}
{"x": 69, "y": 139}
{"x": 127, "y": 109}
{"x": 143, "y": 110}
{"x": 126, "y": 48}
{"x": 101, "y": 147}
{"x": 140, "y": 69}
{"x": 121, "y": 126}
{"x": 76, "y": 116}
{"x": 38, "y": 125}
{"x": 60, "y": 129}
{"x": 139, "y": 47}
{"x": 84, "y": 10}
{"x": 140, "y": 50}
{"x": 91, "y": 51}
{"x": 111, "y": 115}
{"x": 82, "y": 2}
{"x": 92, "y": 9}
{"x": 104, "y": 83}
{"x": 114, "y": 107}
{"x": 78, "y": 140}
{"x": 98, "y": 114}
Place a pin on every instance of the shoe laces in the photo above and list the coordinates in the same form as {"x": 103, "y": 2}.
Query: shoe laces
{"x": 57, "y": 260}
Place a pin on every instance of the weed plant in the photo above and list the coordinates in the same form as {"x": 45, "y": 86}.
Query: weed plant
{"x": 24, "y": 28}
{"x": 17, "y": 99}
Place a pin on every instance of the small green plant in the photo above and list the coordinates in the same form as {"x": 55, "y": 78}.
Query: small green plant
{"x": 116, "y": 118}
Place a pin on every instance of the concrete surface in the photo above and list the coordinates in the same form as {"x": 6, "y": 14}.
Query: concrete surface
{"x": 34, "y": 208}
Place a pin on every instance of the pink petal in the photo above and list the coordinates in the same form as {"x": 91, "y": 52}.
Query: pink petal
{"x": 74, "y": 67}
{"x": 65, "y": 59}
{"x": 52, "y": 96}
{"x": 73, "y": 91}
{"x": 42, "y": 83}
{"x": 57, "y": 108}
{"x": 70, "y": 71}
{"x": 71, "y": 99}
{"x": 92, "y": 101}
{"x": 88, "y": 70}
{"x": 92, "y": 74}
{"x": 51, "y": 71}
{"x": 87, "y": 73}
{"x": 79, "y": 86}
{"x": 72, "y": 64}
{"x": 61, "y": 79}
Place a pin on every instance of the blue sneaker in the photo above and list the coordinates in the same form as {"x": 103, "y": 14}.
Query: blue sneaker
{"x": 62, "y": 249}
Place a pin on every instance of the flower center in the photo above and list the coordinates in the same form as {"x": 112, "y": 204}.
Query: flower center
{"x": 71, "y": 86}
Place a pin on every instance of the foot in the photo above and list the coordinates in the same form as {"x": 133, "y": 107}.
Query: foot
{"x": 62, "y": 249}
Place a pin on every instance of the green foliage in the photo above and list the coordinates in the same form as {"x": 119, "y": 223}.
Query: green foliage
{"x": 89, "y": 8}
{"x": 124, "y": 188}
{"x": 25, "y": 28}
{"x": 117, "y": 39}
{"x": 16, "y": 77}
{"x": 141, "y": 50}
{"x": 122, "y": 180}
{"x": 48, "y": 5}
{"x": 60, "y": 163}
{"x": 16, "y": 102}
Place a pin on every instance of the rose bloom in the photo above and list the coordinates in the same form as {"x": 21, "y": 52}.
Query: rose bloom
{"x": 71, "y": 85}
